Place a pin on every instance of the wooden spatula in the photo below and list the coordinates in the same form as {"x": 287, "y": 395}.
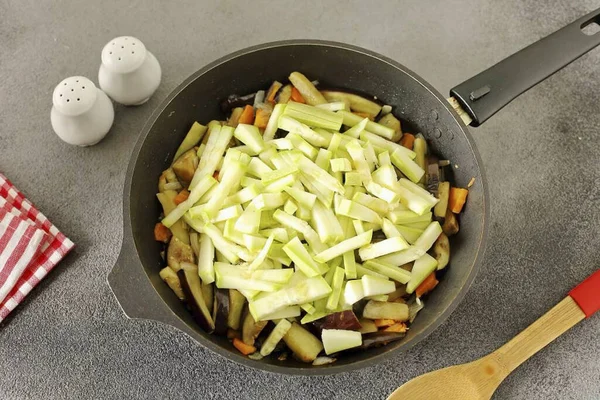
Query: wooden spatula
{"x": 479, "y": 379}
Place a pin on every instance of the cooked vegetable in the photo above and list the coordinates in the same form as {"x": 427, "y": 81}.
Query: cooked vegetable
{"x": 427, "y": 285}
{"x": 303, "y": 343}
{"x": 367, "y": 326}
{"x": 161, "y": 233}
{"x": 340, "y": 320}
{"x": 234, "y": 118}
{"x": 193, "y": 137}
{"x": 236, "y": 307}
{"x": 192, "y": 290}
{"x": 382, "y": 338}
{"x": 335, "y": 340}
{"x": 185, "y": 166}
{"x": 394, "y": 123}
{"x": 422, "y": 267}
{"x": 282, "y": 327}
{"x": 171, "y": 279}
{"x": 251, "y": 329}
{"x": 270, "y": 96}
{"x": 296, "y": 96}
{"x": 177, "y": 253}
{"x": 408, "y": 140}
{"x": 247, "y": 116}
{"x": 443, "y": 193}
{"x": 181, "y": 197}
{"x": 356, "y": 103}
{"x": 450, "y": 226}
{"x": 262, "y": 118}
{"x": 384, "y": 310}
{"x": 284, "y": 95}
{"x": 322, "y": 224}
{"x": 383, "y": 323}
{"x": 399, "y": 327}
{"x": 307, "y": 89}
{"x": 244, "y": 348}
{"x": 441, "y": 251}
{"x": 220, "y": 313}
{"x": 457, "y": 199}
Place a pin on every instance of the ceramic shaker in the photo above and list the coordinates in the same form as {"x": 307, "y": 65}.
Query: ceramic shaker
{"x": 129, "y": 73}
{"x": 81, "y": 113}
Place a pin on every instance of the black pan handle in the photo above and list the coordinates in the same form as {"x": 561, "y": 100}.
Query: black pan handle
{"x": 485, "y": 94}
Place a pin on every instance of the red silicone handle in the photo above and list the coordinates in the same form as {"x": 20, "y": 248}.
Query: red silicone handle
{"x": 587, "y": 294}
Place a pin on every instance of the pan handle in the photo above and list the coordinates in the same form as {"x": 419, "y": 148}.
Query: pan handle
{"x": 136, "y": 296}
{"x": 486, "y": 93}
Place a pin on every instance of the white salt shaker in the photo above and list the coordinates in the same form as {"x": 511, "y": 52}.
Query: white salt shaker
{"x": 81, "y": 113}
{"x": 129, "y": 73}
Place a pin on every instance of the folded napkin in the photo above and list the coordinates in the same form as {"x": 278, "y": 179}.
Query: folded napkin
{"x": 30, "y": 247}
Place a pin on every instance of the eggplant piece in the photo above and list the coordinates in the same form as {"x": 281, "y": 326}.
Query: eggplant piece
{"x": 185, "y": 166}
{"x": 234, "y": 100}
{"x": 178, "y": 252}
{"x": 192, "y": 290}
{"x": 208, "y": 293}
{"x": 284, "y": 95}
{"x": 171, "y": 279}
{"x": 305, "y": 346}
{"x": 450, "y": 226}
{"x": 311, "y": 94}
{"x": 346, "y": 320}
{"x": 221, "y": 311}
{"x": 234, "y": 118}
{"x": 432, "y": 182}
{"x": 439, "y": 211}
{"x": 384, "y": 310}
{"x": 179, "y": 229}
{"x": 251, "y": 329}
{"x": 392, "y": 122}
{"x": 441, "y": 251}
{"x": 398, "y": 293}
{"x": 236, "y": 307}
{"x": 377, "y": 339}
{"x": 357, "y": 103}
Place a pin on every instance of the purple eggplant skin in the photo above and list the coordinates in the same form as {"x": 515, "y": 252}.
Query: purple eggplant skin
{"x": 233, "y": 100}
{"x": 205, "y": 321}
{"x": 381, "y": 338}
{"x": 433, "y": 175}
{"x": 221, "y": 311}
{"x": 346, "y": 320}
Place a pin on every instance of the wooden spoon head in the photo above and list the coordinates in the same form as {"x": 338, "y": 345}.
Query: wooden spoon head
{"x": 474, "y": 381}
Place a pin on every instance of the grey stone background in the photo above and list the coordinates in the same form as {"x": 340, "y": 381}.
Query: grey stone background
{"x": 70, "y": 338}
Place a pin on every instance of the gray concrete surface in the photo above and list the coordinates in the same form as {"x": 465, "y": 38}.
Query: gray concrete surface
{"x": 70, "y": 338}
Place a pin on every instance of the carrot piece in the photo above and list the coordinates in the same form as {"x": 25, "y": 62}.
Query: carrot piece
{"x": 161, "y": 233}
{"x": 181, "y": 197}
{"x": 247, "y": 116}
{"x": 427, "y": 285}
{"x": 363, "y": 115}
{"x": 262, "y": 118}
{"x": 399, "y": 327}
{"x": 243, "y": 348}
{"x": 408, "y": 139}
{"x": 384, "y": 322}
{"x": 296, "y": 96}
{"x": 457, "y": 199}
{"x": 275, "y": 86}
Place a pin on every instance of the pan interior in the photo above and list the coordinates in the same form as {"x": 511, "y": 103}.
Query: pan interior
{"x": 334, "y": 65}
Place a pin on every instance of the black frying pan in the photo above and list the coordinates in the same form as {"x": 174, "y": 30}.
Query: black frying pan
{"x": 135, "y": 280}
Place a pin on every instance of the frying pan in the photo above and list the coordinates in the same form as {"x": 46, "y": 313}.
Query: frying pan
{"x": 135, "y": 280}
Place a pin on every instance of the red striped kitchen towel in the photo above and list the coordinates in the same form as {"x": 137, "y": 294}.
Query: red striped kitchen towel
{"x": 24, "y": 228}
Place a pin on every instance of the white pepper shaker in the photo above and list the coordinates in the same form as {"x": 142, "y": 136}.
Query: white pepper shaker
{"x": 81, "y": 113}
{"x": 129, "y": 73}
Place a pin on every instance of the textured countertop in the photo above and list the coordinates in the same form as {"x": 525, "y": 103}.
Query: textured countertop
{"x": 70, "y": 339}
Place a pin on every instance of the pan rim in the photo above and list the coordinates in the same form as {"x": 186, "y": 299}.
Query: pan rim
{"x": 129, "y": 242}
